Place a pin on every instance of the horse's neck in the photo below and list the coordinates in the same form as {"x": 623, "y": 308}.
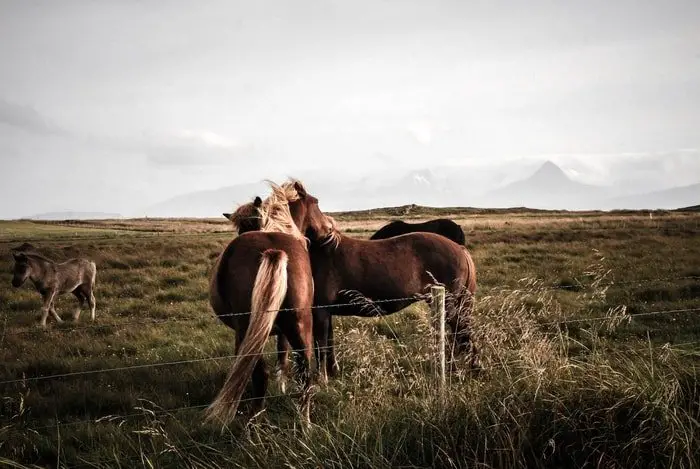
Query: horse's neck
{"x": 41, "y": 271}
{"x": 338, "y": 255}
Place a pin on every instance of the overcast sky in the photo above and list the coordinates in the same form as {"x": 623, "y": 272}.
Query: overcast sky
{"x": 114, "y": 105}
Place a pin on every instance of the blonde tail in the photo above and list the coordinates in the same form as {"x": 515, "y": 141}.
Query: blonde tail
{"x": 269, "y": 291}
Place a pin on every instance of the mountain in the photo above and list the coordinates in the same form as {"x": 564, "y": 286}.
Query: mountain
{"x": 69, "y": 215}
{"x": 209, "y": 203}
{"x": 548, "y": 188}
{"x": 669, "y": 199}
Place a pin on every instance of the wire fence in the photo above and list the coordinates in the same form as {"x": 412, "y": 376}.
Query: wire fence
{"x": 71, "y": 327}
{"x": 235, "y": 356}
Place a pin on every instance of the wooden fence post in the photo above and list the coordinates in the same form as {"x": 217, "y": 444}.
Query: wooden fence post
{"x": 438, "y": 307}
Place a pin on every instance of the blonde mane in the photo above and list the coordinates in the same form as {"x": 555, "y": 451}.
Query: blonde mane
{"x": 334, "y": 236}
{"x": 274, "y": 211}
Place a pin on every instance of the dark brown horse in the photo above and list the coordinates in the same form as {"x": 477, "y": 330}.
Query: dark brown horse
{"x": 263, "y": 279}
{"x": 441, "y": 226}
{"x": 351, "y": 270}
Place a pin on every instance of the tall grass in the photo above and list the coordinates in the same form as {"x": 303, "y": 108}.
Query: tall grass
{"x": 541, "y": 399}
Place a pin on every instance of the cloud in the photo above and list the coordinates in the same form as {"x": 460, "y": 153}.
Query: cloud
{"x": 26, "y": 118}
{"x": 193, "y": 148}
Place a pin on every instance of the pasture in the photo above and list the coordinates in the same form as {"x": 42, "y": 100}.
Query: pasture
{"x": 588, "y": 325}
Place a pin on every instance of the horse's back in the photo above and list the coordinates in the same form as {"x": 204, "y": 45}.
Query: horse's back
{"x": 445, "y": 259}
{"x": 234, "y": 275}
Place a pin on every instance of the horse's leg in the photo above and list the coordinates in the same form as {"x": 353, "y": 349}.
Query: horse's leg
{"x": 260, "y": 374}
{"x": 46, "y": 308}
{"x": 332, "y": 366}
{"x": 321, "y": 324}
{"x": 91, "y": 303}
{"x": 459, "y": 320}
{"x": 55, "y": 314}
{"x": 301, "y": 339}
{"x": 282, "y": 361}
{"x": 81, "y": 302}
{"x": 260, "y": 381}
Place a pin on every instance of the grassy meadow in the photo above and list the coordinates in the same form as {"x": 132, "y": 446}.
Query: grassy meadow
{"x": 588, "y": 326}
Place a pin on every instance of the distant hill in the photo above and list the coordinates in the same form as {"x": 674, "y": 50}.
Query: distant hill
{"x": 211, "y": 203}
{"x": 669, "y": 199}
{"x": 69, "y": 215}
{"x": 548, "y": 188}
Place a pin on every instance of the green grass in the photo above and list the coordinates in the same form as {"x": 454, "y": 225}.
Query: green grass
{"x": 622, "y": 392}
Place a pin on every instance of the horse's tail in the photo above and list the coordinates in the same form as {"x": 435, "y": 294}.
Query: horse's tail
{"x": 269, "y": 291}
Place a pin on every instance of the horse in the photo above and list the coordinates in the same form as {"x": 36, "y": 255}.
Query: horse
{"x": 262, "y": 279}
{"x": 350, "y": 270}
{"x": 246, "y": 217}
{"x": 359, "y": 272}
{"x": 442, "y": 226}
{"x": 52, "y": 279}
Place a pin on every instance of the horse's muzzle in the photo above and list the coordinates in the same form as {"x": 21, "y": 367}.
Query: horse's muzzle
{"x": 16, "y": 282}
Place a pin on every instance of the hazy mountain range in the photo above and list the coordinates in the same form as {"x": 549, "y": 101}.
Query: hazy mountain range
{"x": 529, "y": 184}
{"x": 69, "y": 215}
{"x": 546, "y": 186}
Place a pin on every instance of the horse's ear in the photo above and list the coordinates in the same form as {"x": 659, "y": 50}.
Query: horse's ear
{"x": 257, "y": 202}
{"x": 227, "y": 215}
{"x": 300, "y": 189}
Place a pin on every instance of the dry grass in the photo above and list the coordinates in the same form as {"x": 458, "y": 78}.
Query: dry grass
{"x": 620, "y": 392}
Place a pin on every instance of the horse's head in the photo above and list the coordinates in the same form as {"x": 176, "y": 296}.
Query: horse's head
{"x": 246, "y": 217}
{"x": 307, "y": 215}
{"x": 22, "y": 269}
{"x": 292, "y": 210}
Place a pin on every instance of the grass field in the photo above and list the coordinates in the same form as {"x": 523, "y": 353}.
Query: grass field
{"x": 588, "y": 326}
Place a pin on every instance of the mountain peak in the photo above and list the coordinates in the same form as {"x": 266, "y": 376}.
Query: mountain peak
{"x": 550, "y": 172}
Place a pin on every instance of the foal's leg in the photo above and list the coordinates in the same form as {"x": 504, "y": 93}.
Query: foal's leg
{"x": 81, "y": 302}
{"x": 55, "y": 314}
{"x": 47, "y": 307}
{"x": 91, "y": 303}
{"x": 282, "y": 361}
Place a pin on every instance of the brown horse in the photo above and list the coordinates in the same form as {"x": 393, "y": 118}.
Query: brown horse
{"x": 351, "y": 270}
{"x": 264, "y": 279}
{"x": 247, "y": 218}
